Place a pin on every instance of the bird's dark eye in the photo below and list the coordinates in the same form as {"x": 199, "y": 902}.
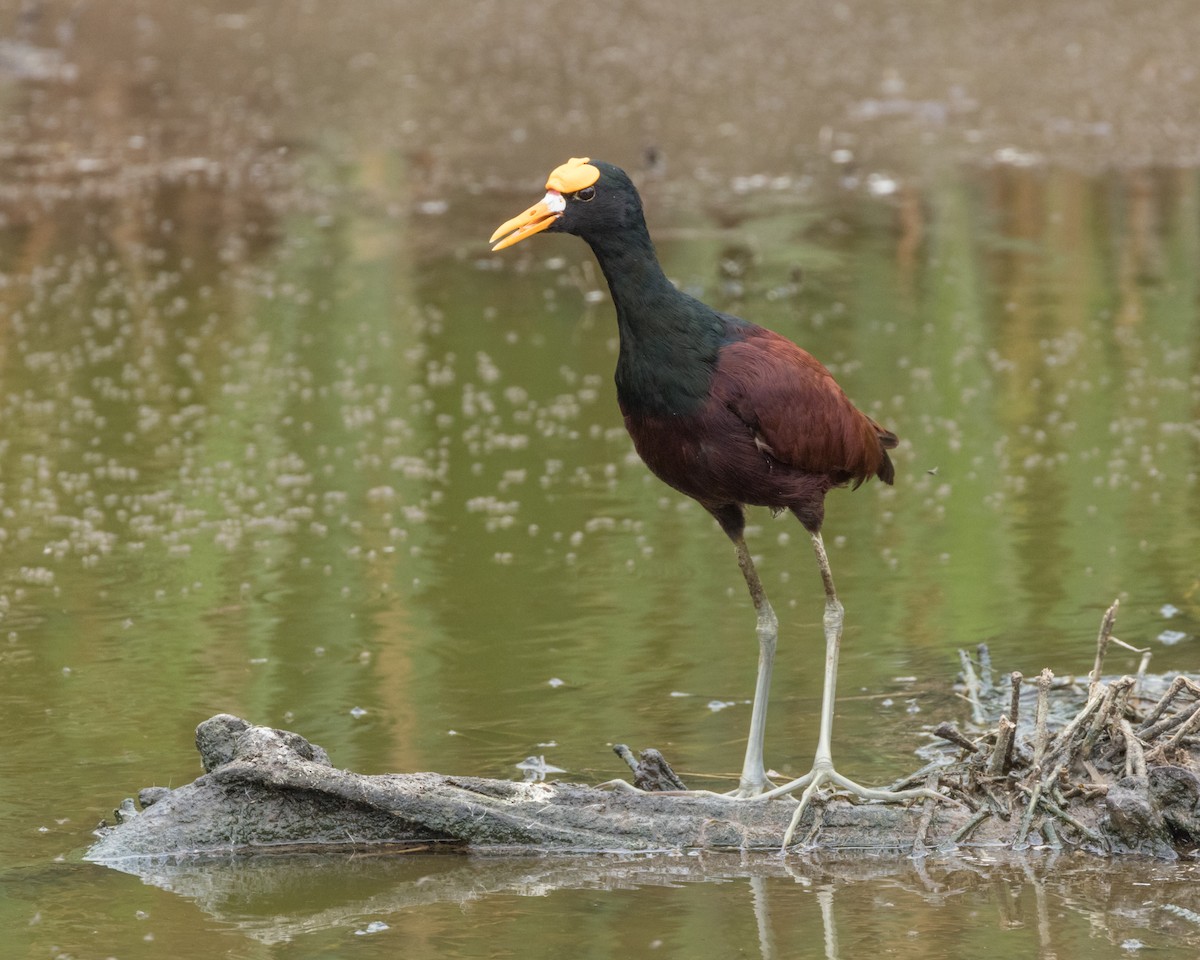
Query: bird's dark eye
{"x": 586, "y": 194}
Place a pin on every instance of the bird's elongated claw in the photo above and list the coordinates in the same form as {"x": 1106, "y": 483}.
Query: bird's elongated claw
{"x": 624, "y": 786}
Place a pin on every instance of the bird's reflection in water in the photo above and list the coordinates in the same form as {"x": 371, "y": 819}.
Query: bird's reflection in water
{"x": 1034, "y": 903}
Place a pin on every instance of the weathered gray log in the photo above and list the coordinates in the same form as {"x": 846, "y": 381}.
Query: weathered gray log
{"x": 269, "y": 789}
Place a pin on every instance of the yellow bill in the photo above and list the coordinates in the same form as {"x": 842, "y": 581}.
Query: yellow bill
{"x": 534, "y": 220}
{"x": 572, "y": 176}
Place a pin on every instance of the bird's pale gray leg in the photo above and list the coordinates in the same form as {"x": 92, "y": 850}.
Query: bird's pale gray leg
{"x": 834, "y": 619}
{"x": 754, "y": 776}
{"x": 822, "y": 770}
{"x": 753, "y": 780}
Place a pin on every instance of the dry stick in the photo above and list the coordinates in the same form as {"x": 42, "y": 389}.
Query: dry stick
{"x": 1104, "y": 713}
{"x": 1044, "y": 785}
{"x": 1121, "y": 708}
{"x": 1163, "y": 703}
{"x": 1106, "y": 628}
{"x": 912, "y": 778}
{"x": 1135, "y": 757}
{"x": 623, "y": 751}
{"x": 1056, "y": 793}
{"x": 963, "y": 797}
{"x": 1023, "y": 830}
{"x": 1128, "y": 685}
{"x": 1041, "y": 733}
{"x": 1014, "y": 714}
{"x": 1169, "y": 723}
{"x": 998, "y": 808}
{"x": 1002, "y": 752}
{"x": 1146, "y": 653}
{"x": 972, "y": 682}
{"x": 1145, "y": 662}
{"x": 919, "y": 847}
{"x": 1152, "y": 726}
{"x": 1051, "y": 779}
{"x": 1055, "y": 810}
{"x": 961, "y": 833}
{"x": 817, "y": 822}
{"x": 1185, "y": 728}
{"x": 1069, "y": 731}
{"x": 948, "y": 731}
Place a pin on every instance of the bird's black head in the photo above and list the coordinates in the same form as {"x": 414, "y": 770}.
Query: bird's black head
{"x": 587, "y": 198}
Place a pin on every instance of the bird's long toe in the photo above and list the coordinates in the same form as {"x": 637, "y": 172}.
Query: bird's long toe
{"x": 823, "y": 774}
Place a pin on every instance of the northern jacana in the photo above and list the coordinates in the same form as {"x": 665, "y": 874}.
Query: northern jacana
{"x": 727, "y": 412}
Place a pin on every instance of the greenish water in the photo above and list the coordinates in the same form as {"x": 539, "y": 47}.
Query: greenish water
{"x": 280, "y": 437}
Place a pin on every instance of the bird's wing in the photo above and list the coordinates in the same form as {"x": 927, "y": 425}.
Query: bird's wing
{"x": 796, "y": 411}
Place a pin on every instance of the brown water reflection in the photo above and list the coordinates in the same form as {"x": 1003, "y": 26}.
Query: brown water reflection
{"x": 278, "y": 435}
{"x": 965, "y": 905}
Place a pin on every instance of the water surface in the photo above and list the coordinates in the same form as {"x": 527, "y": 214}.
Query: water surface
{"x": 280, "y": 437}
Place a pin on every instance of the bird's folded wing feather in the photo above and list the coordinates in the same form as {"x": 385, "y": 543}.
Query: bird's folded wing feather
{"x": 795, "y": 409}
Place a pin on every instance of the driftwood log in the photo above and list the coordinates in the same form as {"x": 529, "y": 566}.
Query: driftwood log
{"x": 1115, "y": 775}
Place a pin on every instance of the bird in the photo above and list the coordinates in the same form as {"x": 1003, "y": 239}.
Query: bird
{"x": 730, "y": 414}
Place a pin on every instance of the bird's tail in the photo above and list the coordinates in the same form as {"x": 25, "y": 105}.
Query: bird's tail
{"x": 889, "y": 441}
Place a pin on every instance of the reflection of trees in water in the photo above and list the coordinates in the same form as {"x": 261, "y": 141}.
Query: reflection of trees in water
{"x": 152, "y": 124}
{"x": 179, "y": 396}
{"x": 486, "y": 91}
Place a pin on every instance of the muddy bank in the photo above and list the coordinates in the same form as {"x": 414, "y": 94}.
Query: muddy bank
{"x": 1115, "y": 775}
